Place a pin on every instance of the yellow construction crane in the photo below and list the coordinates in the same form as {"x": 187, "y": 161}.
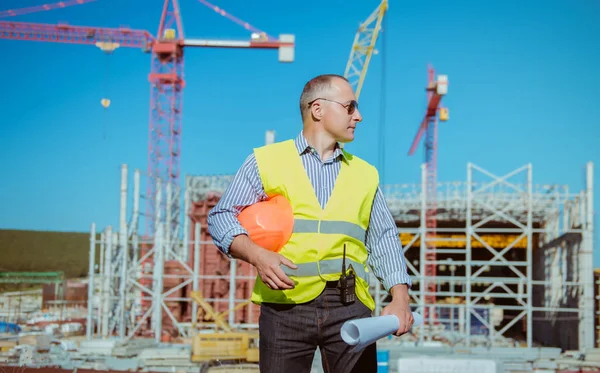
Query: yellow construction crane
{"x": 364, "y": 47}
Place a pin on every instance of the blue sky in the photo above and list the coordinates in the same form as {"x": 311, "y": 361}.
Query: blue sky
{"x": 523, "y": 79}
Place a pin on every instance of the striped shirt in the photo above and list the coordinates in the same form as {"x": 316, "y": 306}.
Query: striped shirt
{"x": 386, "y": 257}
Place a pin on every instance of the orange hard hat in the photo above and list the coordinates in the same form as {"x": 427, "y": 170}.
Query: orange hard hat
{"x": 269, "y": 223}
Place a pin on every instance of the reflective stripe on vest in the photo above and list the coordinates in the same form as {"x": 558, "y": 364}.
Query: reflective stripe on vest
{"x": 325, "y": 267}
{"x": 330, "y": 227}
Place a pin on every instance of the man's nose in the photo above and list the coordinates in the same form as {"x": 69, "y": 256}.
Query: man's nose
{"x": 356, "y": 116}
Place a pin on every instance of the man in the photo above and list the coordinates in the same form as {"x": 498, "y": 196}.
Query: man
{"x": 300, "y": 288}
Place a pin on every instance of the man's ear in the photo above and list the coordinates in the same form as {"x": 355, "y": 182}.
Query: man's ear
{"x": 317, "y": 110}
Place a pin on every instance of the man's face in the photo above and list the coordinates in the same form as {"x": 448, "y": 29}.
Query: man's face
{"x": 340, "y": 112}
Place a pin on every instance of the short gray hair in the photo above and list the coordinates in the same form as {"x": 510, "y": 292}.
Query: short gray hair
{"x": 315, "y": 88}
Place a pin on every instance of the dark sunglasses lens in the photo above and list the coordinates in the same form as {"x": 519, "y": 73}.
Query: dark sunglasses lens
{"x": 352, "y": 106}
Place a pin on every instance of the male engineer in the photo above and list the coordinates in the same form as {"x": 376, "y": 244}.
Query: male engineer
{"x": 341, "y": 220}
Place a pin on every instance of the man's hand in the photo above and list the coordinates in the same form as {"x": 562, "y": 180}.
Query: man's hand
{"x": 267, "y": 264}
{"x": 399, "y": 306}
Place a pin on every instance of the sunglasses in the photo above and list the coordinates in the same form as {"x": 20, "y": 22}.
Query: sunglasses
{"x": 350, "y": 106}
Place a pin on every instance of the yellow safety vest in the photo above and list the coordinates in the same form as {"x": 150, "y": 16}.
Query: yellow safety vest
{"x": 318, "y": 238}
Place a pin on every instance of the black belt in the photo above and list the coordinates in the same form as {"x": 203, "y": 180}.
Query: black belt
{"x": 332, "y": 284}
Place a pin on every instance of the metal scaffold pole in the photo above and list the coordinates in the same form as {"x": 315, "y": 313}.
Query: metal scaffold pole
{"x": 423, "y": 250}
{"x": 91, "y": 283}
{"x": 587, "y": 260}
{"x": 124, "y": 252}
{"x": 529, "y": 232}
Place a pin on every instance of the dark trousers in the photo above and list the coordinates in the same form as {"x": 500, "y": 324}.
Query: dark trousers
{"x": 290, "y": 334}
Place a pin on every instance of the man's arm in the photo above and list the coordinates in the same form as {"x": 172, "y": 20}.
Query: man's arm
{"x": 386, "y": 256}
{"x": 233, "y": 240}
{"x": 245, "y": 189}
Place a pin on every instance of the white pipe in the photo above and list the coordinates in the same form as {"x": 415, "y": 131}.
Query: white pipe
{"x": 186, "y": 226}
{"x": 529, "y": 255}
{"x": 423, "y": 230}
{"x": 232, "y": 288}
{"x": 107, "y": 277}
{"x": 92, "y": 264}
{"x": 124, "y": 249}
{"x": 269, "y": 137}
{"x": 133, "y": 228}
{"x": 586, "y": 263}
{"x": 101, "y": 282}
{"x": 133, "y": 231}
{"x": 469, "y": 227}
{"x": 157, "y": 287}
{"x": 169, "y": 222}
{"x": 196, "y": 267}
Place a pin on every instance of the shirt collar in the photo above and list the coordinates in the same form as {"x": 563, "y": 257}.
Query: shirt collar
{"x": 302, "y": 145}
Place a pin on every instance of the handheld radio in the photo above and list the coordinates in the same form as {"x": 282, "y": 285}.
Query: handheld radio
{"x": 347, "y": 283}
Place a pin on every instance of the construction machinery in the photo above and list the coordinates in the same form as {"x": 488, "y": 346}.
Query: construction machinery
{"x": 221, "y": 345}
{"x": 363, "y": 48}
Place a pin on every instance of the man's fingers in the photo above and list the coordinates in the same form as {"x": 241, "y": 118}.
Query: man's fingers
{"x": 279, "y": 283}
{"x": 406, "y": 325}
{"x": 409, "y": 322}
{"x": 269, "y": 283}
{"x": 280, "y": 275}
{"x": 287, "y": 262}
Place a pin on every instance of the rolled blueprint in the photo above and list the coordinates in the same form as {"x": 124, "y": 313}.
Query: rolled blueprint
{"x": 363, "y": 332}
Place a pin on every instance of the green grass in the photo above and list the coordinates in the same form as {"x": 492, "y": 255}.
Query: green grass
{"x": 43, "y": 251}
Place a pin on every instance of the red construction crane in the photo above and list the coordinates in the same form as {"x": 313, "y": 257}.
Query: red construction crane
{"x": 436, "y": 89}
{"x": 166, "y": 75}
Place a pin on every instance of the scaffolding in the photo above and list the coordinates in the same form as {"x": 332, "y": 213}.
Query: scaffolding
{"x": 508, "y": 251}
{"x": 127, "y": 295}
{"x": 506, "y": 248}
{"x": 142, "y": 287}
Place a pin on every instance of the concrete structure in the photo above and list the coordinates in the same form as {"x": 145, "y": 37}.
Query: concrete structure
{"x": 514, "y": 263}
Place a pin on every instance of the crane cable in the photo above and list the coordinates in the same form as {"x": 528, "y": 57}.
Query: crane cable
{"x": 233, "y": 18}
{"x": 41, "y": 8}
{"x": 382, "y": 107}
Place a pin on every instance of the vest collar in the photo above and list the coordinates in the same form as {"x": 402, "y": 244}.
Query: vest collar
{"x": 302, "y": 146}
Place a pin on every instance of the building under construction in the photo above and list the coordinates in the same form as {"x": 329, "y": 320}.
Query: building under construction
{"x": 513, "y": 264}
{"x": 512, "y": 258}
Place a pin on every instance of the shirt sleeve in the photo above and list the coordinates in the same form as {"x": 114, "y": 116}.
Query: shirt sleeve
{"x": 386, "y": 256}
{"x": 244, "y": 190}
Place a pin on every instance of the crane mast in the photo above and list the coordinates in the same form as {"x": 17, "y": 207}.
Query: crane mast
{"x": 164, "y": 129}
{"x": 436, "y": 89}
{"x": 364, "y": 47}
